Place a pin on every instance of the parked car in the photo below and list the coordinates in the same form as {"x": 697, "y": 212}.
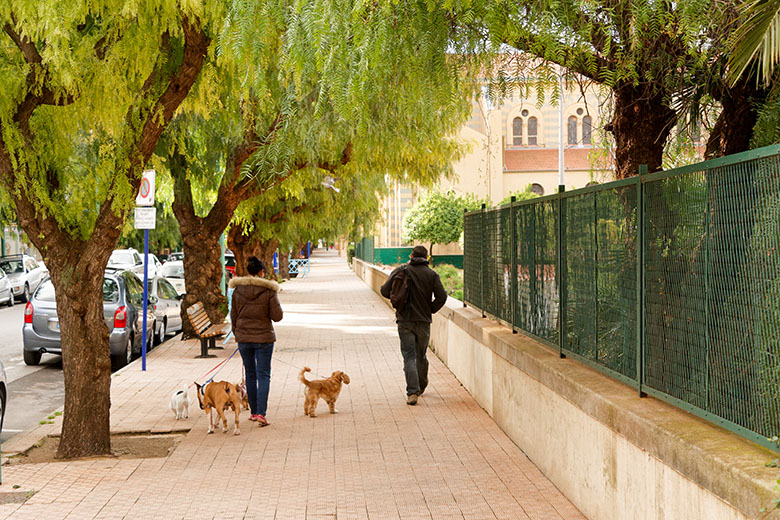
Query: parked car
{"x": 154, "y": 266}
{"x": 122, "y": 310}
{"x": 176, "y": 256}
{"x": 24, "y": 273}
{"x": 6, "y": 291}
{"x": 127, "y": 259}
{"x": 230, "y": 263}
{"x": 174, "y": 273}
{"x": 167, "y": 311}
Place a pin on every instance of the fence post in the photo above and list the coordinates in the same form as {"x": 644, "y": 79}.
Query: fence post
{"x": 559, "y": 274}
{"x": 482, "y": 264}
{"x": 513, "y": 261}
{"x": 640, "y": 282}
{"x": 464, "y": 257}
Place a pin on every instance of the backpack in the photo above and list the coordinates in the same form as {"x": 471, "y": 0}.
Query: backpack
{"x": 400, "y": 290}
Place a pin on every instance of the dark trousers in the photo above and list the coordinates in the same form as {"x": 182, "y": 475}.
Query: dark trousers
{"x": 414, "y": 337}
{"x": 257, "y": 367}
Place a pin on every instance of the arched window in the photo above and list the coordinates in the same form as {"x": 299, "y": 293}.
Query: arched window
{"x": 537, "y": 188}
{"x": 532, "y": 130}
{"x": 571, "y": 128}
{"x": 586, "y": 130}
{"x": 517, "y": 131}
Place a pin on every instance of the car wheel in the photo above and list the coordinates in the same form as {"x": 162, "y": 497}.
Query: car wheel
{"x": 32, "y": 357}
{"x": 26, "y": 294}
{"x": 161, "y": 334}
{"x": 124, "y": 358}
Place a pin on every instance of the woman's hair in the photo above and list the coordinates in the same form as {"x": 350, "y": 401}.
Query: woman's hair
{"x": 254, "y": 265}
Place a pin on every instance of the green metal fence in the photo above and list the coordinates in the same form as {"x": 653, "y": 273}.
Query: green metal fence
{"x": 691, "y": 255}
{"x": 365, "y": 250}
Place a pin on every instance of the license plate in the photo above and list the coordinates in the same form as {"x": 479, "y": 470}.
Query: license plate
{"x": 54, "y": 325}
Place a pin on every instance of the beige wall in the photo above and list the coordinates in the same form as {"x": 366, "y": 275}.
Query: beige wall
{"x": 614, "y": 455}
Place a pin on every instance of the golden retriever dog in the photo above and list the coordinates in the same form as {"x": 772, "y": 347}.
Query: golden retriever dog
{"x": 325, "y": 389}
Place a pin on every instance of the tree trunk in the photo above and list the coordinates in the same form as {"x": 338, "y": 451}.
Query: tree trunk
{"x": 284, "y": 265}
{"x": 641, "y": 126}
{"x": 734, "y": 127}
{"x": 86, "y": 362}
{"x": 266, "y": 250}
{"x": 243, "y": 248}
{"x": 203, "y": 268}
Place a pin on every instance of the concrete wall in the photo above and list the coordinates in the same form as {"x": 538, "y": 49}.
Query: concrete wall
{"x": 613, "y": 454}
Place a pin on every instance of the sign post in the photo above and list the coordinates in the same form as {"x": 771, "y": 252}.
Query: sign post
{"x": 145, "y": 218}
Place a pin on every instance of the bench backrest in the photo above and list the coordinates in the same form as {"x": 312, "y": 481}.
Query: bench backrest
{"x": 198, "y": 317}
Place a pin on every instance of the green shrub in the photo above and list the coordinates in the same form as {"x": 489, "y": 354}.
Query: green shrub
{"x": 451, "y": 279}
{"x": 350, "y": 253}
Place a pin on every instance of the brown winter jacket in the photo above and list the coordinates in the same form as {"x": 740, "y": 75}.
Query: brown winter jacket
{"x": 255, "y": 305}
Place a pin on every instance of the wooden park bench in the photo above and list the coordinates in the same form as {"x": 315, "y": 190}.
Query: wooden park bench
{"x": 204, "y": 329}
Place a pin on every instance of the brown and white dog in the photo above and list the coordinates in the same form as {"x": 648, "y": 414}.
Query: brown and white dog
{"x": 219, "y": 396}
{"x": 326, "y": 389}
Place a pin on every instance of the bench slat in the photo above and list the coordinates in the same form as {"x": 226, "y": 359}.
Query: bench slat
{"x": 202, "y": 324}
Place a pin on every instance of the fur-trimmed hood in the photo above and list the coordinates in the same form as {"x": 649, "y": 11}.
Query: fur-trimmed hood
{"x": 253, "y": 280}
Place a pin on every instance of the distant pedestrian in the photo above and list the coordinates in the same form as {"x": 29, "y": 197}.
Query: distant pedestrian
{"x": 255, "y": 305}
{"x": 426, "y": 295}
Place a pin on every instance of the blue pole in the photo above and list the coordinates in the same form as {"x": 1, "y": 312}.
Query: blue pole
{"x": 146, "y": 298}
{"x": 308, "y": 249}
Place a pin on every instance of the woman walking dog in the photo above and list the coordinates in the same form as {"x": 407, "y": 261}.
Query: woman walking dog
{"x": 255, "y": 305}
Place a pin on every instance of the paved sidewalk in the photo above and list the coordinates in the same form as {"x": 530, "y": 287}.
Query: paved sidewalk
{"x": 378, "y": 458}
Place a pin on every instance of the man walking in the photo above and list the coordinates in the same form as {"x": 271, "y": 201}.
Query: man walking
{"x": 414, "y": 318}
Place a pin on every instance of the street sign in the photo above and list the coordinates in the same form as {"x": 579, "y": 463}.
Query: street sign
{"x": 145, "y": 218}
{"x": 145, "y": 195}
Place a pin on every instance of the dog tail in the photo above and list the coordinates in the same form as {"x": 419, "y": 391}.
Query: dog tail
{"x": 301, "y": 376}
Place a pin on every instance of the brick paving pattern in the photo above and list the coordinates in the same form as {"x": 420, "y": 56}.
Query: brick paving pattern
{"x": 376, "y": 459}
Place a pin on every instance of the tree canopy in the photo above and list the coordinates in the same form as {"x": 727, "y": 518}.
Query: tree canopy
{"x": 438, "y": 218}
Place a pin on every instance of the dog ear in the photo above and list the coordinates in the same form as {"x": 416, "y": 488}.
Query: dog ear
{"x": 344, "y": 377}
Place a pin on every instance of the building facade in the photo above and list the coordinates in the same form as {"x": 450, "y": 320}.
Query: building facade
{"x": 511, "y": 145}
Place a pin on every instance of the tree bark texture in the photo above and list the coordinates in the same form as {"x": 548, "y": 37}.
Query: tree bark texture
{"x": 243, "y": 248}
{"x": 739, "y": 113}
{"x": 266, "y": 250}
{"x": 641, "y": 126}
{"x": 284, "y": 265}
{"x": 76, "y": 266}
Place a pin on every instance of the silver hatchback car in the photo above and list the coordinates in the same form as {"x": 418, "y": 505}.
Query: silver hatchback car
{"x": 122, "y": 310}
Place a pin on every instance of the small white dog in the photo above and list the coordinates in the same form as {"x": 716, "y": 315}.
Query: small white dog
{"x": 180, "y": 404}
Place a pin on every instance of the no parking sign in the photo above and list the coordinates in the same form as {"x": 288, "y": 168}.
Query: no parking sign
{"x": 145, "y": 195}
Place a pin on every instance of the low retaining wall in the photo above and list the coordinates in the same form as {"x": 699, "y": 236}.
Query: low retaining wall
{"x": 613, "y": 454}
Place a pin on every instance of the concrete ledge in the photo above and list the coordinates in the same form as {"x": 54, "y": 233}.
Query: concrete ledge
{"x": 613, "y": 454}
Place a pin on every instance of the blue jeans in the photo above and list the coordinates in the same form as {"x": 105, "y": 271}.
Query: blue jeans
{"x": 257, "y": 365}
{"x": 414, "y": 337}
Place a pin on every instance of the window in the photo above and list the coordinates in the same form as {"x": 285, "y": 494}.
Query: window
{"x": 110, "y": 291}
{"x": 537, "y": 188}
{"x": 586, "y": 130}
{"x": 135, "y": 291}
{"x": 571, "y": 128}
{"x": 169, "y": 290}
{"x": 46, "y": 292}
{"x": 517, "y": 131}
{"x": 532, "y": 129}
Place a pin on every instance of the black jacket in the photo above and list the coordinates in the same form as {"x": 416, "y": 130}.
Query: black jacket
{"x": 425, "y": 283}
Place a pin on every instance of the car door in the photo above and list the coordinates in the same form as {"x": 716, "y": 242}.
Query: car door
{"x": 172, "y": 303}
{"x": 135, "y": 297}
